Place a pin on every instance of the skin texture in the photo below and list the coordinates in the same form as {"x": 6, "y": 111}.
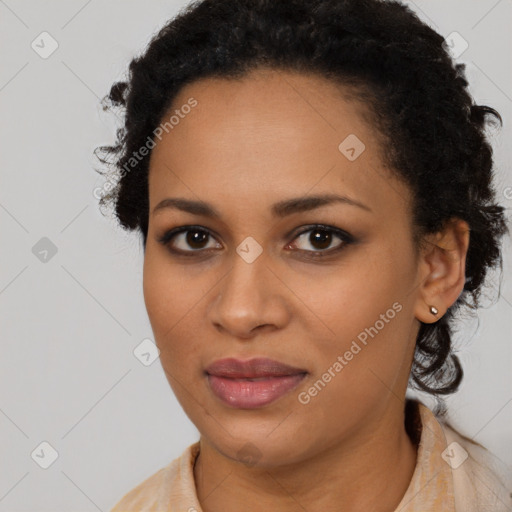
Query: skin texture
{"x": 248, "y": 144}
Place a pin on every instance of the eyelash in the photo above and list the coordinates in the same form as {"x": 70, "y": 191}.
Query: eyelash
{"x": 345, "y": 237}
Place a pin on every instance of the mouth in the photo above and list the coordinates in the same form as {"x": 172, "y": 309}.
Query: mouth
{"x": 253, "y": 393}
{"x": 252, "y": 384}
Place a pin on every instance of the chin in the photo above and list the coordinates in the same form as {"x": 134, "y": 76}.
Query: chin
{"x": 259, "y": 448}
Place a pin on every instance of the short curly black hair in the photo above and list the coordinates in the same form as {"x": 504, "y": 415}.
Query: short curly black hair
{"x": 394, "y": 63}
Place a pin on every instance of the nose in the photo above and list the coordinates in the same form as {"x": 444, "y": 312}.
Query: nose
{"x": 250, "y": 300}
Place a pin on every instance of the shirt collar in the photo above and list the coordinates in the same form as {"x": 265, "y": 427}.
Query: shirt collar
{"x": 431, "y": 486}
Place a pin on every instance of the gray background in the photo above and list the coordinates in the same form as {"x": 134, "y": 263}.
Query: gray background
{"x": 68, "y": 374}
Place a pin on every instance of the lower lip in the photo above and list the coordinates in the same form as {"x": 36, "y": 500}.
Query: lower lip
{"x": 247, "y": 394}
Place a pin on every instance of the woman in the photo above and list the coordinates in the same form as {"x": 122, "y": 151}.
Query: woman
{"x": 314, "y": 191}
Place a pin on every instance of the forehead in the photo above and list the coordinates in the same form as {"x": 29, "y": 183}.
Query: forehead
{"x": 274, "y": 102}
{"x": 269, "y": 133}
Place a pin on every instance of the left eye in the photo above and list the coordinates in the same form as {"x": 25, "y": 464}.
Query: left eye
{"x": 321, "y": 238}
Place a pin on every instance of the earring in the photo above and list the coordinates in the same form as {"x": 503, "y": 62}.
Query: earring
{"x": 434, "y": 310}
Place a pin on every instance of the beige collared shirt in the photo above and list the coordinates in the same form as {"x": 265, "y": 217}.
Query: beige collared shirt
{"x": 452, "y": 474}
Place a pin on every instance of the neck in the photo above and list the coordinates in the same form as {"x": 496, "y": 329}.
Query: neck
{"x": 369, "y": 471}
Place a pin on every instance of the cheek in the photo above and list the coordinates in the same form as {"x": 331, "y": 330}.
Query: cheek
{"x": 170, "y": 290}
{"x": 165, "y": 299}
{"x": 167, "y": 307}
{"x": 354, "y": 295}
{"x": 367, "y": 308}
{"x": 173, "y": 297}
{"x": 158, "y": 291}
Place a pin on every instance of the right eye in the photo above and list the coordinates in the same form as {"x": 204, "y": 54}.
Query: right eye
{"x": 187, "y": 237}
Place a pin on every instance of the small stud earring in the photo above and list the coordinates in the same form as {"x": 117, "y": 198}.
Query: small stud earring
{"x": 434, "y": 310}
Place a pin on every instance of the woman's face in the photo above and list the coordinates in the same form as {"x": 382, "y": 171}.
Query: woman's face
{"x": 261, "y": 281}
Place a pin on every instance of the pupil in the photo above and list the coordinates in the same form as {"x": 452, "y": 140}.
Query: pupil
{"x": 192, "y": 239}
{"x": 323, "y": 240}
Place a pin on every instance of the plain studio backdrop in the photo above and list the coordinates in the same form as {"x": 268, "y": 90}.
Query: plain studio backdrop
{"x": 73, "y": 395}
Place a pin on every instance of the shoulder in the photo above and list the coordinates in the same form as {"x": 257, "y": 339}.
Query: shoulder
{"x": 160, "y": 491}
{"x": 481, "y": 481}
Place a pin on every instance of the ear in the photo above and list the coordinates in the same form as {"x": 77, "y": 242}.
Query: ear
{"x": 441, "y": 270}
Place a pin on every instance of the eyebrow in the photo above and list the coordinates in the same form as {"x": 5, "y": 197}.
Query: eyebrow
{"x": 280, "y": 209}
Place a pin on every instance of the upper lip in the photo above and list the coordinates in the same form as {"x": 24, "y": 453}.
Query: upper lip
{"x": 253, "y": 368}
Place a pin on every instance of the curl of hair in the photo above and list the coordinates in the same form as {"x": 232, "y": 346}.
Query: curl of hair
{"x": 432, "y": 133}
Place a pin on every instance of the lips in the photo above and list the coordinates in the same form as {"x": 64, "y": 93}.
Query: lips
{"x": 252, "y": 369}
{"x": 252, "y": 384}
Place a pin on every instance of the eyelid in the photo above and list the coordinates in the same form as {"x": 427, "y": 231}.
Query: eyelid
{"x": 344, "y": 235}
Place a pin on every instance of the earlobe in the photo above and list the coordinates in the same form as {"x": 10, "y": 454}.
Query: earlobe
{"x": 442, "y": 270}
